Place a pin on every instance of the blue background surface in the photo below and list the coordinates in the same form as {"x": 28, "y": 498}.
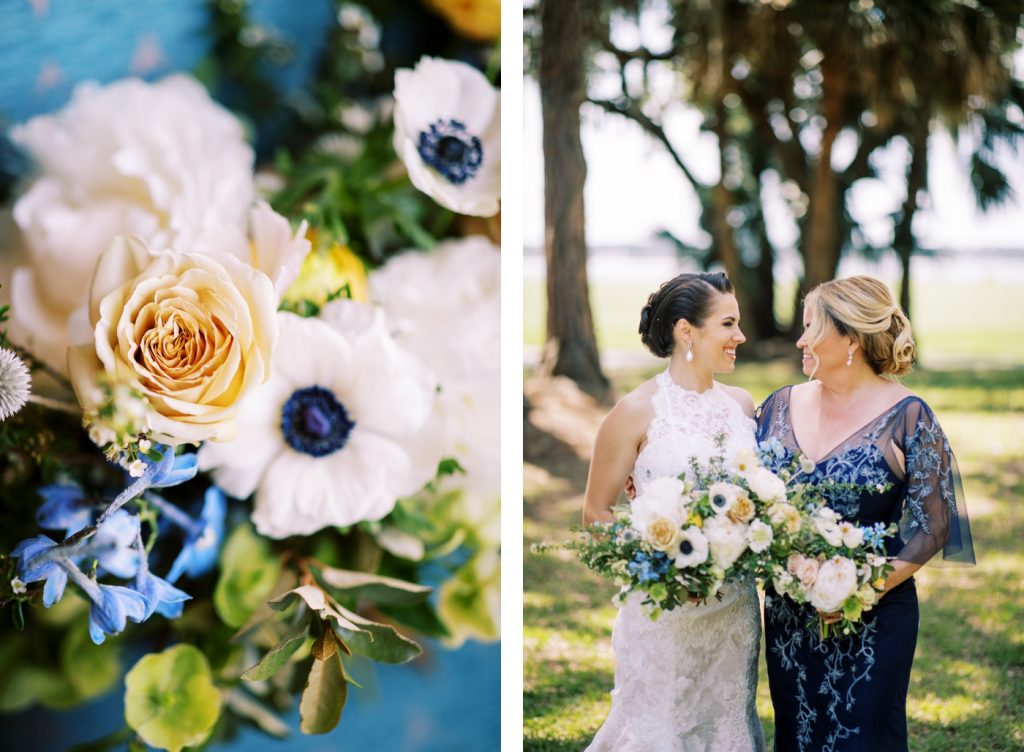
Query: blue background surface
{"x": 448, "y": 701}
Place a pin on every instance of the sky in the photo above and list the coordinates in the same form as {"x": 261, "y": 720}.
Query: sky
{"x": 634, "y": 188}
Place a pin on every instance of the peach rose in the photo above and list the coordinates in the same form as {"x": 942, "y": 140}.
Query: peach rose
{"x": 191, "y": 333}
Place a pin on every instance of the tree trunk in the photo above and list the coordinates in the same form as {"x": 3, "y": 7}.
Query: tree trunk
{"x": 571, "y": 346}
{"x": 822, "y": 240}
{"x": 917, "y": 181}
{"x": 722, "y": 200}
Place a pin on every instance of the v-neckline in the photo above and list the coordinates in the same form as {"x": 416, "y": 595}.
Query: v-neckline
{"x": 829, "y": 453}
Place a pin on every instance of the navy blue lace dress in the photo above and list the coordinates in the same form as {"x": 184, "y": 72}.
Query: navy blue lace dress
{"x": 850, "y": 694}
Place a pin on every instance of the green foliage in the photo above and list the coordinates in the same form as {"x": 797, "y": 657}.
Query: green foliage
{"x": 281, "y": 653}
{"x": 324, "y": 694}
{"x": 248, "y": 572}
{"x": 170, "y": 699}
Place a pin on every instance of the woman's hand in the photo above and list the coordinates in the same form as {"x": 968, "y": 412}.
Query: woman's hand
{"x": 630, "y": 488}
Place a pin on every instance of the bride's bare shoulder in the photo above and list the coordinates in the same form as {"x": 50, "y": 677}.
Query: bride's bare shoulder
{"x": 742, "y": 396}
{"x": 634, "y": 408}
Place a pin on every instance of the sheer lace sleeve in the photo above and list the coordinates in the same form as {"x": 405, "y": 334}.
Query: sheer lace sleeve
{"x": 768, "y": 414}
{"x": 934, "y": 516}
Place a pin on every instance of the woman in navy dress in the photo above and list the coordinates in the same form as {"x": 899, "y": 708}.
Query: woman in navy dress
{"x": 859, "y": 425}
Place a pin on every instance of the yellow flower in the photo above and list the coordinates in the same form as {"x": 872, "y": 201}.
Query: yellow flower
{"x": 694, "y": 519}
{"x": 324, "y": 272}
{"x": 476, "y": 19}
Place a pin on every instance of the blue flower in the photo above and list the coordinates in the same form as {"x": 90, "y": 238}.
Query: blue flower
{"x": 170, "y": 469}
{"x": 64, "y": 508}
{"x": 161, "y": 596}
{"x": 112, "y": 544}
{"x": 34, "y": 564}
{"x": 111, "y": 606}
{"x": 202, "y": 539}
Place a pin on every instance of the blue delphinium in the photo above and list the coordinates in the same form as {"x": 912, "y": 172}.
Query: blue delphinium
{"x": 202, "y": 536}
{"x": 874, "y": 535}
{"x": 64, "y": 508}
{"x": 112, "y": 545}
{"x": 771, "y": 451}
{"x": 161, "y": 596}
{"x": 112, "y": 606}
{"x": 649, "y": 567}
{"x": 35, "y": 564}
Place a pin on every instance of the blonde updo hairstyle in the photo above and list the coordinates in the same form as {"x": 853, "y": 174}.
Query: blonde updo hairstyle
{"x": 863, "y": 308}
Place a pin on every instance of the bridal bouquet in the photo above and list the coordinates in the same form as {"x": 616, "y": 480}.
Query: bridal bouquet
{"x": 682, "y": 538}
{"x": 815, "y": 556}
{"x": 249, "y": 426}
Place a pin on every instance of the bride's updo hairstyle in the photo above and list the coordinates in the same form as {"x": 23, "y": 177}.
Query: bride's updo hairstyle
{"x": 687, "y": 296}
{"x": 863, "y": 308}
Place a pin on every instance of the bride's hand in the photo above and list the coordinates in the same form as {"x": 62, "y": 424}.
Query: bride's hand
{"x": 630, "y": 488}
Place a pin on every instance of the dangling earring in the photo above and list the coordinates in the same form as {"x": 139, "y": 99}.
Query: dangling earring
{"x": 849, "y": 359}
{"x": 689, "y": 352}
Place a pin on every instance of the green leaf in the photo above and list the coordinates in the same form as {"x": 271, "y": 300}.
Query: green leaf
{"x": 372, "y": 587}
{"x": 91, "y": 669}
{"x": 26, "y": 684}
{"x": 317, "y": 600}
{"x": 279, "y": 655}
{"x": 248, "y": 573}
{"x": 170, "y": 699}
{"x": 379, "y": 642}
{"x": 324, "y": 696}
{"x": 422, "y": 617}
{"x": 265, "y": 612}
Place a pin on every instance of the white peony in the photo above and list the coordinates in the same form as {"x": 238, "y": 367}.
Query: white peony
{"x": 836, "y": 581}
{"x": 192, "y": 334}
{"x": 161, "y": 161}
{"x": 759, "y": 536}
{"x": 829, "y": 530}
{"x": 661, "y": 498}
{"x": 765, "y": 484}
{"x": 692, "y": 548}
{"x": 448, "y": 134}
{"x": 726, "y": 539}
{"x": 445, "y": 307}
{"x": 785, "y": 515}
{"x": 319, "y": 443}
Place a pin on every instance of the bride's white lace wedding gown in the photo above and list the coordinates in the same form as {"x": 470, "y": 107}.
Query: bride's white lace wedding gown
{"x": 686, "y": 682}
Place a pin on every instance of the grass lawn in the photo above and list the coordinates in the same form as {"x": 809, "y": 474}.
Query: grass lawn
{"x": 956, "y": 324}
{"x": 967, "y": 688}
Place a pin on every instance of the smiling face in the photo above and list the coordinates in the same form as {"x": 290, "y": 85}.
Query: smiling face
{"x": 716, "y": 340}
{"x": 824, "y": 348}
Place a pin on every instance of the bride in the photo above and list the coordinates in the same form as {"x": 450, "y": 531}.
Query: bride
{"x": 686, "y": 681}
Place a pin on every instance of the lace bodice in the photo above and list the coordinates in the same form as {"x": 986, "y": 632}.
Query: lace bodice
{"x": 690, "y": 425}
{"x": 687, "y": 682}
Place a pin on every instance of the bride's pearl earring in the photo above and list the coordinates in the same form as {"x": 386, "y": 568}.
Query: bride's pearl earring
{"x": 849, "y": 359}
{"x": 689, "y": 352}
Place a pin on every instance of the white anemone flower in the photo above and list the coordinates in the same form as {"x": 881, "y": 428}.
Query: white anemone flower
{"x": 448, "y": 134}
{"x": 319, "y": 443}
{"x": 693, "y": 548}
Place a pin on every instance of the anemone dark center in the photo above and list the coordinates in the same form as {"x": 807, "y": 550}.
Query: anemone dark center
{"x": 451, "y": 150}
{"x": 718, "y": 500}
{"x": 314, "y": 422}
{"x": 686, "y": 548}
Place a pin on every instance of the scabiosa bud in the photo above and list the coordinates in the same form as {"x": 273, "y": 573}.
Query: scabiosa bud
{"x": 15, "y": 384}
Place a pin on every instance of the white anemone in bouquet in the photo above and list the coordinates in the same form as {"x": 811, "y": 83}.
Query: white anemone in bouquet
{"x": 319, "y": 443}
{"x": 161, "y": 161}
{"x": 447, "y": 132}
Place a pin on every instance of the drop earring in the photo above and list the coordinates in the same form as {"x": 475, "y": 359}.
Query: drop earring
{"x": 849, "y": 359}
{"x": 689, "y": 352}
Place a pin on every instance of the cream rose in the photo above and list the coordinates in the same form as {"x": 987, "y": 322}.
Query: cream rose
{"x": 785, "y": 515}
{"x": 765, "y": 484}
{"x": 160, "y": 160}
{"x": 192, "y": 333}
{"x": 742, "y": 510}
{"x": 663, "y": 534}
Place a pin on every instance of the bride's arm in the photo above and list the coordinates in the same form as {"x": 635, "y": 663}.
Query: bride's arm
{"x": 615, "y": 451}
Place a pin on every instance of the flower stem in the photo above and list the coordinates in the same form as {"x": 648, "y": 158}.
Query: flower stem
{"x": 55, "y": 404}
{"x": 174, "y": 514}
{"x": 135, "y": 489}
